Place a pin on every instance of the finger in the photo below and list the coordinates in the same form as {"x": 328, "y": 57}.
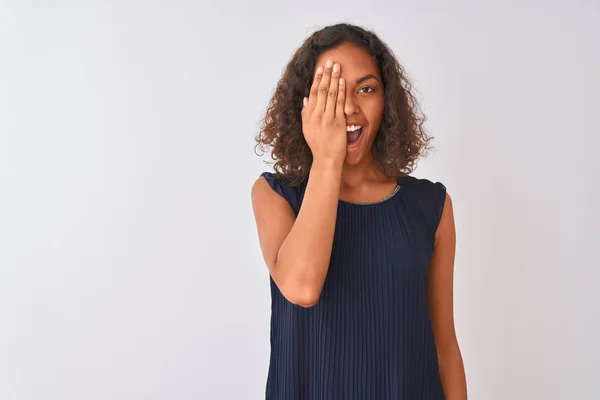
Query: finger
{"x": 314, "y": 89}
{"x": 341, "y": 99}
{"x": 324, "y": 88}
{"x": 333, "y": 90}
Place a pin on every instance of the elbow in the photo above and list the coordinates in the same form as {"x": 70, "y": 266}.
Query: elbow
{"x": 303, "y": 295}
{"x": 301, "y": 289}
{"x": 305, "y": 301}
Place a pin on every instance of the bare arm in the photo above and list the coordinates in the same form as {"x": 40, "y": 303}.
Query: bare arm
{"x": 441, "y": 307}
{"x": 297, "y": 251}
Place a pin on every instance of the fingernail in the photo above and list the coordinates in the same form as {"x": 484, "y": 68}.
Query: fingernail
{"x": 320, "y": 70}
{"x": 328, "y": 64}
{"x": 336, "y": 67}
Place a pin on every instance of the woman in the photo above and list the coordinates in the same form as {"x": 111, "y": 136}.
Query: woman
{"x": 360, "y": 253}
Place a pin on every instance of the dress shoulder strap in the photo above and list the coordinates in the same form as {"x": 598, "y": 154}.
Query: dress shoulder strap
{"x": 292, "y": 194}
{"x": 428, "y": 199}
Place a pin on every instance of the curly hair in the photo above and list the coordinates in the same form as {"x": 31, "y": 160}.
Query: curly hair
{"x": 401, "y": 139}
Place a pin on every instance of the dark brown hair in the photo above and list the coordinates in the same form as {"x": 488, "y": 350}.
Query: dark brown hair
{"x": 400, "y": 140}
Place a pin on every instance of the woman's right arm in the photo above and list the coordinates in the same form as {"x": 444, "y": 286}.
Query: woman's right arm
{"x": 297, "y": 251}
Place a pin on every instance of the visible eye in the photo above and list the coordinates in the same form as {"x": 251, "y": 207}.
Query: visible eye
{"x": 367, "y": 87}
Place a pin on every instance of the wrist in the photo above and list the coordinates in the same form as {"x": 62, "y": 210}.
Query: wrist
{"x": 328, "y": 163}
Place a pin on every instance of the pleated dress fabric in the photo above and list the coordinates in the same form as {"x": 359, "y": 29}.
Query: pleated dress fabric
{"x": 369, "y": 337}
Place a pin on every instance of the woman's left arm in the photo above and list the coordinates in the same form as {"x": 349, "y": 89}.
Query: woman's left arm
{"x": 441, "y": 306}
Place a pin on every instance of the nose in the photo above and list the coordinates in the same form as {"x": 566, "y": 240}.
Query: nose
{"x": 350, "y": 108}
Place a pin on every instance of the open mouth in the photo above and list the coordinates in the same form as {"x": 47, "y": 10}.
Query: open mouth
{"x": 354, "y": 136}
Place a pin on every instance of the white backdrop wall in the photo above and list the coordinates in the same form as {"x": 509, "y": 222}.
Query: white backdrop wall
{"x": 129, "y": 261}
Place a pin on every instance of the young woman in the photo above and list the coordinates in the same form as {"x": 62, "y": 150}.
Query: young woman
{"x": 360, "y": 253}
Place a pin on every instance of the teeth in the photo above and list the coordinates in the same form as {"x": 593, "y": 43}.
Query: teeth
{"x": 352, "y": 128}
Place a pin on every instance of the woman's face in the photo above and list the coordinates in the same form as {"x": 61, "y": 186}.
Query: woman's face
{"x": 364, "y": 96}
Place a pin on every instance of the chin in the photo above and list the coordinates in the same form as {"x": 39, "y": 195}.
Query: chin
{"x": 353, "y": 158}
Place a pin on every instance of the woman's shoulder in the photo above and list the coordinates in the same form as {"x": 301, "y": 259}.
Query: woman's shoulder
{"x": 420, "y": 182}
{"x": 427, "y": 195}
{"x": 280, "y": 182}
{"x": 422, "y": 186}
{"x": 283, "y": 186}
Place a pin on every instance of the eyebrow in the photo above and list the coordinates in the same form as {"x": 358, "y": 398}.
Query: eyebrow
{"x": 366, "y": 77}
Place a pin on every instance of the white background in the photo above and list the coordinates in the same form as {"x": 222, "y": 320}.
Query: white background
{"x": 129, "y": 260}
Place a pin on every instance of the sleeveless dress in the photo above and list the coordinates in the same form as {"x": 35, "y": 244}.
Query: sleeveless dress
{"x": 369, "y": 337}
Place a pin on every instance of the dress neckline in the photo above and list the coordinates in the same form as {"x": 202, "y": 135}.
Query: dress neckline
{"x": 385, "y": 199}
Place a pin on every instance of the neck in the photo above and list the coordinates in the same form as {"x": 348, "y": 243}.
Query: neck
{"x": 354, "y": 175}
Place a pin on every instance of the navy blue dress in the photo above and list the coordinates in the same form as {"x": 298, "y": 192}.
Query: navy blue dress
{"x": 369, "y": 337}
